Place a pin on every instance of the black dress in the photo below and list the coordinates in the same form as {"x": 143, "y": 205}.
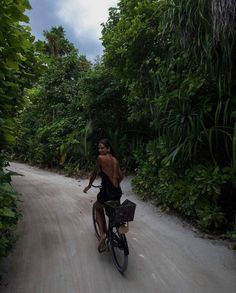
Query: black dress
{"x": 108, "y": 191}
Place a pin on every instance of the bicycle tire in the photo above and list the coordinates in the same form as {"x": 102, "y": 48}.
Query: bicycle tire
{"x": 119, "y": 249}
{"x": 95, "y": 224}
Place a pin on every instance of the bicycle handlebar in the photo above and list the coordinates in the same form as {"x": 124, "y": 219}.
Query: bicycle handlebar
{"x": 96, "y": 186}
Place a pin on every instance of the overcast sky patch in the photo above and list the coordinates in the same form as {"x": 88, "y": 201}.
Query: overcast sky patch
{"x": 81, "y": 20}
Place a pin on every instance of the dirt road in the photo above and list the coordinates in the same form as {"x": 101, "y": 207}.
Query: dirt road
{"x": 57, "y": 251}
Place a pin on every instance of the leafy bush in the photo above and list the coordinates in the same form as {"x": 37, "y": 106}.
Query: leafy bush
{"x": 146, "y": 180}
{"x": 195, "y": 193}
{"x": 8, "y": 213}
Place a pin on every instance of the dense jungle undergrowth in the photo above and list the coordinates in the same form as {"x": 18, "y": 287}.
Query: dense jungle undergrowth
{"x": 164, "y": 92}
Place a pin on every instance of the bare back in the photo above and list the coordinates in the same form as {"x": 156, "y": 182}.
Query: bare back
{"x": 110, "y": 166}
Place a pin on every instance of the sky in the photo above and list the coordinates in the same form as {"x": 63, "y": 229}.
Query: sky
{"x": 81, "y": 20}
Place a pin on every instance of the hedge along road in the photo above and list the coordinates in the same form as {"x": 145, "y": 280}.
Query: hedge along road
{"x": 57, "y": 251}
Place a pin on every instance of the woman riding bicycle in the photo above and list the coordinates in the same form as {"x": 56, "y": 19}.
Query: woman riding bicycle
{"x": 111, "y": 176}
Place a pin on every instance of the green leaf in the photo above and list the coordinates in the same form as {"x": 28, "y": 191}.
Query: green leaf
{"x": 6, "y": 212}
{"x": 12, "y": 64}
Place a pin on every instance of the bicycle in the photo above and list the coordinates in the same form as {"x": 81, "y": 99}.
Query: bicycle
{"x": 117, "y": 225}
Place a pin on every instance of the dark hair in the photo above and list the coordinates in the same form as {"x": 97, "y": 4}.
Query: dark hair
{"x": 107, "y": 143}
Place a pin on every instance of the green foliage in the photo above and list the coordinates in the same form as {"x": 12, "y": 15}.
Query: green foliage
{"x": 106, "y": 110}
{"x": 173, "y": 81}
{"x": 19, "y": 64}
{"x": 231, "y": 235}
{"x": 164, "y": 93}
{"x": 57, "y": 44}
{"x": 176, "y": 60}
{"x": 8, "y": 212}
{"x": 51, "y": 127}
{"x": 195, "y": 193}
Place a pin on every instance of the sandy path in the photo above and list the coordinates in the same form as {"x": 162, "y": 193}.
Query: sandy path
{"x": 56, "y": 251}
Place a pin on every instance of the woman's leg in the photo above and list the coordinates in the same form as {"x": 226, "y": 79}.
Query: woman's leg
{"x": 100, "y": 219}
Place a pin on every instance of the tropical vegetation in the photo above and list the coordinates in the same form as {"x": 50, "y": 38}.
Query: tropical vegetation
{"x": 20, "y": 66}
{"x": 163, "y": 92}
{"x": 177, "y": 62}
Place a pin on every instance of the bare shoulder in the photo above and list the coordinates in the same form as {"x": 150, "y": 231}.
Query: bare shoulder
{"x": 100, "y": 158}
{"x": 106, "y": 160}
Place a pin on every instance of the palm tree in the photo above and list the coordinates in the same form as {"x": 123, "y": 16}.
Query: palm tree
{"x": 57, "y": 44}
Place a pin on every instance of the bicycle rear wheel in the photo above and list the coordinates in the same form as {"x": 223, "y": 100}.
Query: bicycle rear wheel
{"x": 119, "y": 249}
{"x": 95, "y": 224}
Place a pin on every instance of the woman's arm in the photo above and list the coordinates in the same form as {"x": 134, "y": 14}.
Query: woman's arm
{"x": 92, "y": 176}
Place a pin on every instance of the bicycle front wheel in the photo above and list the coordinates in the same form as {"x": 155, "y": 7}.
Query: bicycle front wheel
{"x": 119, "y": 249}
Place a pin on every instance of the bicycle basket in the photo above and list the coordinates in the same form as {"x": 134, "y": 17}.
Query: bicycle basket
{"x": 120, "y": 213}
